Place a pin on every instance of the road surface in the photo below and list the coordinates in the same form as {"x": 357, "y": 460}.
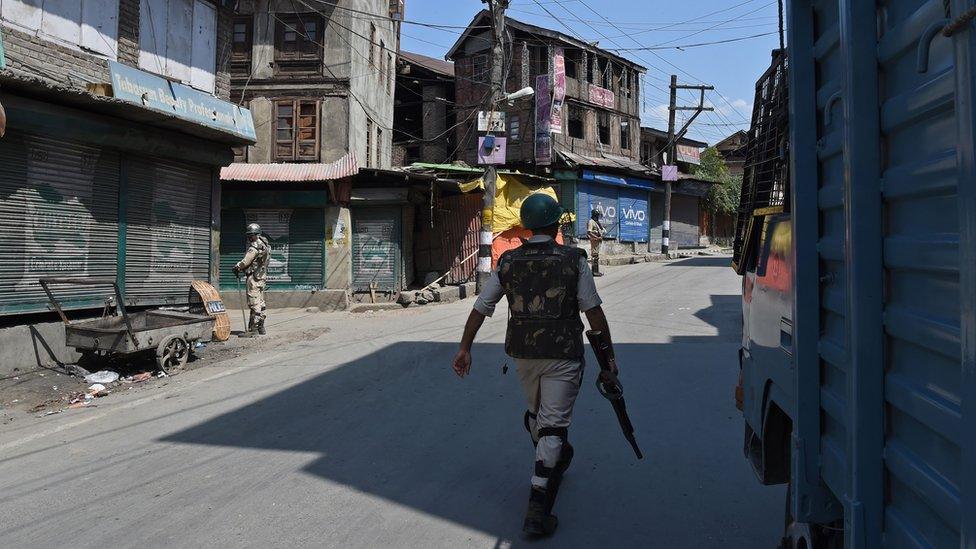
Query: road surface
{"x": 363, "y": 437}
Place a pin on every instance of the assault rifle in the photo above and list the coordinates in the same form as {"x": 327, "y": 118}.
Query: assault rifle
{"x": 610, "y": 387}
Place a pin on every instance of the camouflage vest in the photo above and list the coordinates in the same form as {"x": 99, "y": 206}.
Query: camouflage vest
{"x": 259, "y": 267}
{"x": 540, "y": 281}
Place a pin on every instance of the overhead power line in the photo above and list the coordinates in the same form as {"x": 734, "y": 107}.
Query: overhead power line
{"x": 698, "y": 45}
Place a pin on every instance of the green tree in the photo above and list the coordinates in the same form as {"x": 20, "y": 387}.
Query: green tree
{"x": 723, "y": 197}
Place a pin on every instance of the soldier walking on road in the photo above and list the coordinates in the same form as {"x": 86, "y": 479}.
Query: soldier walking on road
{"x": 255, "y": 267}
{"x": 595, "y": 231}
{"x": 547, "y": 286}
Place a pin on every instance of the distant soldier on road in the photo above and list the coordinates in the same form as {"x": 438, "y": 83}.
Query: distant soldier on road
{"x": 255, "y": 268}
{"x": 547, "y": 286}
{"x": 595, "y": 230}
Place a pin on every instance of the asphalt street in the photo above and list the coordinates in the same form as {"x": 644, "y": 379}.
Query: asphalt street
{"x": 363, "y": 437}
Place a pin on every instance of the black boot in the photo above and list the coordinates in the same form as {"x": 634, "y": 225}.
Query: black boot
{"x": 261, "y": 330}
{"x": 538, "y": 521}
{"x": 596, "y": 268}
{"x": 251, "y": 325}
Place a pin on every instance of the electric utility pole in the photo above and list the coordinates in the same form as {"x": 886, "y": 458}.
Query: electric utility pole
{"x": 672, "y": 148}
{"x": 496, "y": 94}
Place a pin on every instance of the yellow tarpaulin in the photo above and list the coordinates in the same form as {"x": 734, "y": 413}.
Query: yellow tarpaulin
{"x": 509, "y": 194}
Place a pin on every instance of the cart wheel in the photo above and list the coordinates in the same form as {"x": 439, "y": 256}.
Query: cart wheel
{"x": 172, "y": 353}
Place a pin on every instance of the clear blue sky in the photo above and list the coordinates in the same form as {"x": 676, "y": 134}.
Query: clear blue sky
{"x": 731, "y": 67}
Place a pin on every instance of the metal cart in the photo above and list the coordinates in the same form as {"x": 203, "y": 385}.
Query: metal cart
{"x": 170, "y": 333}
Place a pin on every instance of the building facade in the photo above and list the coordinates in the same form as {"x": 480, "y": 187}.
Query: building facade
{"x": 320, "y": 79}
{"x": 581, "y": 127}
{"x": 424, "y": 111}
{"x": 689, "y": 219}
{"x": 733, "y": 149}
{"x": 117, "y": 123}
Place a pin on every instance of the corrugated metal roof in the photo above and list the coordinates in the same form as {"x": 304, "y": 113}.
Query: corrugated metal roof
{"x": 438, "y": 66}
{"x": 344, "y": 167}
{"x": 607, "y": 161}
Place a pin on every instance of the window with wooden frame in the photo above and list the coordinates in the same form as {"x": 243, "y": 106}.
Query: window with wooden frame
{"x": 514, "y": 127}
{"x": 624, "y": 133}
{"x": 369, "y": 143}
{"x": 298, "y": 42}
{"x": 574, "y": 60}
{"x": 296, "y": 130}
{"x": 379, "y": 146}
{"x": 382, "y": 67}
{"x": 575, "y": 121}
{"x": 243, "y": 40}
{"x": 606, "y": 74}
{"x": 480, "y": 70}
{"x": 603, "y": 127}
{"x": 372, "y": 45}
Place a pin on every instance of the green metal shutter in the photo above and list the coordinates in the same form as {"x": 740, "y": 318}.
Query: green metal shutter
{"x": 58, "y": 217}
{"x": 168, "y": 229}
{"x": 296, "y": 236}
{"x": 375, "y": 249}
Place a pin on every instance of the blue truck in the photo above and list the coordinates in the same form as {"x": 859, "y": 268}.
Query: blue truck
{"x": 856, "y": 242}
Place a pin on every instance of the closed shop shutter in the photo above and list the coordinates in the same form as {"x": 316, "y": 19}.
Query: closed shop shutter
{"x": 684, "y": 221}
{"x": 375, "y": 249}
{"x": 168, "y": 230}
{"x": 633, "y": 215}
{"x": 296, "y": 236}
{"x": 597, "y": 197}
{"x": 58, "y": 217}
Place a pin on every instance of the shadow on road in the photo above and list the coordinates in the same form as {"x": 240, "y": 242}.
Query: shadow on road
{"x": 702, "y": 261}
{"x": 398, "y": 424}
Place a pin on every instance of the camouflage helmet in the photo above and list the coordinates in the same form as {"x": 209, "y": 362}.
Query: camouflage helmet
{"x": 253, "y": 228}
{"x": 539, "y": 210}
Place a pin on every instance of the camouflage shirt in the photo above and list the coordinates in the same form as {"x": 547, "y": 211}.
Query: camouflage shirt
{"x": 540, "y": 280}
{"x": 255, "y": 262}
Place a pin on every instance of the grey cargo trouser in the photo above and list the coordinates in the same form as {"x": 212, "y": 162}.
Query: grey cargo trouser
{"x": 551, "y": 387}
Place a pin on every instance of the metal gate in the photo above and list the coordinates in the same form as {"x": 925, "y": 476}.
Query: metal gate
{"x": 878, "y": 337}
{"x": 296, "y": 238}
{"x": 58, "y": 217}
{"x": 168, "y": 229}
{"x": 684, "y": 221}
{"x": 376, "y": 249}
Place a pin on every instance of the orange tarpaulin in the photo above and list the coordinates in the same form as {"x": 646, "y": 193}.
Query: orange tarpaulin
{"x": 511, "y": 239}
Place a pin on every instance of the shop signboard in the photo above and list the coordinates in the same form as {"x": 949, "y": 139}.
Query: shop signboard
{"x": 543, "y": 117}
{"x": 632, "y": 210}
{"x": 491, "y": 121}
{"x": 601, "y": 198}
{"x": 156, "y": 93}
{"x": 558, "y": 91}
{"x": 689, "y": 154}
{"x": 601, "y": 97}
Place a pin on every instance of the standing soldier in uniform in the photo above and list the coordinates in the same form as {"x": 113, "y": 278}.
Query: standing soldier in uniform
{"x": 547, "y": 286}
{"x": 595, "y": 230}
{"x": 255, "y": 267}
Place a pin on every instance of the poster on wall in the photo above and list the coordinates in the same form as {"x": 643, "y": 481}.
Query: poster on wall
{"x": 598, "y": 198}
{"x": 276, "y": 226}
{"x": 558, "y": 91}
{"x": 632, "y": 210}
{"x": 543, "y": 117}
{"x": 601, "y": 96}
{"x": 58, "y": 219}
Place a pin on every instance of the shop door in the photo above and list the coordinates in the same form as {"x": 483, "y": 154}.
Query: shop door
{"x": 168, "y": 230}
{"x": 58, "y": 217}
{"x": 376, "y": 249}
{"x": 684, "y": 221}
{"x": 295, "y": 235}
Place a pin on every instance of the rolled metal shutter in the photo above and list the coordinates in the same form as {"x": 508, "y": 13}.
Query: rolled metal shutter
{"x": 633, "y": 215}
{"x": 168, "y": 230}
{"x": 592, "y": 197}
{"x": 58, "y": 217}
{"x": 684, "y": 221}
{"x": 375, "y": 249}
{"x": 296, "y": 236}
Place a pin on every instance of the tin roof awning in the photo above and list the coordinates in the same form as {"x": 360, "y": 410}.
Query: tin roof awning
{"x": 342, "y": 168}
{"x": 623, "y": 171}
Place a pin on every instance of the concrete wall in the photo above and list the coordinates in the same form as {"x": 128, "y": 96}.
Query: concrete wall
{"x": 346, "y": 87}
{"x": 373, "y": 90}
{"x": 31, "y": 56}
{"x": 31, "y": 346}
{"x": 338, "y": 247}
